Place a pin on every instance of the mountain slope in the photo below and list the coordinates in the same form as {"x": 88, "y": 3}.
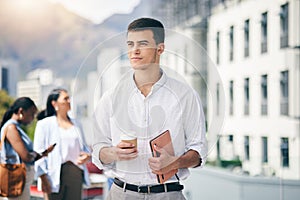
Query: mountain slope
{"x": 46, "y": 36}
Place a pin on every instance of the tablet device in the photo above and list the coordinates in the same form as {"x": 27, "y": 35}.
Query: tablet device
{"x": 163, "y": 141}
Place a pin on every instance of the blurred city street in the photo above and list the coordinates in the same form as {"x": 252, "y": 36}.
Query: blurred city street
{"x": 242, "y": 57}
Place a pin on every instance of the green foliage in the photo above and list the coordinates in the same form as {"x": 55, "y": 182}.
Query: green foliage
{"x": 230, "y": 163}
{"x": 212, "y": 163}
{"x": 29, "y": 129}
{"x": 5, "y": 102}
{"x": 236, "y": 162}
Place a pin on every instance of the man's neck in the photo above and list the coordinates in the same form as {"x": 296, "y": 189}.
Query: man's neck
{"x": 145, "y": 79}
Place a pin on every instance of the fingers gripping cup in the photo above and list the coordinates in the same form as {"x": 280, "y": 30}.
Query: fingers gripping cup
{"x": 129, "y": 138}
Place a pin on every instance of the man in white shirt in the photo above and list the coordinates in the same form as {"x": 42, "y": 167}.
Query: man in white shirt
{"x": 146, "y": 102}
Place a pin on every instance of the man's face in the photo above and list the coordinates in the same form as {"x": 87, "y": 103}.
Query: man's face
{"x": 142, "y": 49}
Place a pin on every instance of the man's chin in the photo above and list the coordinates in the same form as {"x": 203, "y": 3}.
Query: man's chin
{"x": 141, "y": 66}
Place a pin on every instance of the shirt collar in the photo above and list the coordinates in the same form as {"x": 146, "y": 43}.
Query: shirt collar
{"x": 160, "y": 83}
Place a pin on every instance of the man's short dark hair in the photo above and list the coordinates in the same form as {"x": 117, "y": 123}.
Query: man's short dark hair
{"x": 149, "y": 24}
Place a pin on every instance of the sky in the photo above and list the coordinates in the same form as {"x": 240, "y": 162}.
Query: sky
{"x": 98, "y": 10}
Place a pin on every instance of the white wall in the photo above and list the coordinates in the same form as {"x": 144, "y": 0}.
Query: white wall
{"x": 214, "y": 184}
{"x": 274, "y": 126}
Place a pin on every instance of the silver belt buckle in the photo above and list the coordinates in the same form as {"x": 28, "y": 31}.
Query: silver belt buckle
{"x": 165, "y": 187}
{"x": 124, "y": 187}
{"x": 139, "y": 189}
{"x": 148, "y": 189}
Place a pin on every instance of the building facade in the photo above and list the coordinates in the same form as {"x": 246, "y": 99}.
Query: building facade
{"x": 186, "y": 21}
{"x": 8, "y": 76}
{"x": 255, "y": 48}
{"x": 37, "y": 86}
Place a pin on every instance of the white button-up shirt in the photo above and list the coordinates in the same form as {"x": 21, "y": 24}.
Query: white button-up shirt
{"x": 170, "y": 105}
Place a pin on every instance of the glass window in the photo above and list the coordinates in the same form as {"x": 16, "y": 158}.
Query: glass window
{"x": 218, "y": 48}
{"x": 264, "y": 149}
{"x": 246, "y": 148}
{"x": 246, "y": 38}
{"x": 284, "y": 26}
{"x": 230, "y": 138}
{"x": 284, "y": 93}
{"x": 264, "y": 95}
{"x": 264, "y": 32}
{"x": 246, "y": 96}
{"x": 218, "y": 148}
{"x": 284, "y": 152}
{"x": 231, "y": 43}
{"x": 218, "y": 98}
{"x": 192, "y": 7}
{"x": 4, "y": 79}
{"x": 231, "y": 98}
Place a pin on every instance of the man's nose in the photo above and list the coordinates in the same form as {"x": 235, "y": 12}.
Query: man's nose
{"x": 136, "y": 49}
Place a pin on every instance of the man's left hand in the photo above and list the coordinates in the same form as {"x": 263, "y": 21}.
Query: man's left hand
{"x": 162, "y": 164}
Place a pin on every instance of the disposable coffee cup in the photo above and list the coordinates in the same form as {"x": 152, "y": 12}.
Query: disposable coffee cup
{"x": 129, "y": 138}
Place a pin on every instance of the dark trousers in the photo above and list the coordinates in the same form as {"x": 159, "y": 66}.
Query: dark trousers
{"x": 71, "y": 179}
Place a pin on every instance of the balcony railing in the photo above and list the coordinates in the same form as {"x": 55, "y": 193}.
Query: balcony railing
{"x": 264, "y": 109}
{"x": 264, "y": 47}
{"x": 284, "y": 108}
{"x": 284, "y": 41}
{"x": 246, "y": 109}
{"x": 246, "y": 51}
{"x": 231, "y": 110}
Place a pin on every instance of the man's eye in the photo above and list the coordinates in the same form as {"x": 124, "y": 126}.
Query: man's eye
{"x": 143, "y": 44}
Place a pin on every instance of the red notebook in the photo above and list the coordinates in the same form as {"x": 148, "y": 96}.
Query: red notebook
{"x": 163, "y": 141}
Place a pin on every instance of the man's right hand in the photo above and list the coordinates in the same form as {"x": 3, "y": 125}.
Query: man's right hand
{"x": 126, "y": 151}
{"x": 123, "y": 151}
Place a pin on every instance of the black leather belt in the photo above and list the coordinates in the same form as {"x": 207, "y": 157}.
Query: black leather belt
{"x": 167, "y": 187}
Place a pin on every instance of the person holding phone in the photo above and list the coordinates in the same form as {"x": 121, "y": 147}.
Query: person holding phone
{"x": 16, "y": 146}
{"x": 64, "y": 171}
{"x": 145, "y": 103}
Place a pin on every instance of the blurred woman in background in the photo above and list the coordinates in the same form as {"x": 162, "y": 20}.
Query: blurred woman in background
{"x": 17, "y": 147}
{"x": 64, "y": 171}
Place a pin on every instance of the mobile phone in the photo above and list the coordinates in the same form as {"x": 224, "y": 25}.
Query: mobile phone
{"x": 45, "y": 152}
{"x": 49, "y": 149}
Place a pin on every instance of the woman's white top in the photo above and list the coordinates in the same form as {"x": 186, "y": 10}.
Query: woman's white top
{"x": 70, "y": 151}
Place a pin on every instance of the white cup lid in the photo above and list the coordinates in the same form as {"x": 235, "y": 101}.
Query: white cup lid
{"x": 125, "y": 136}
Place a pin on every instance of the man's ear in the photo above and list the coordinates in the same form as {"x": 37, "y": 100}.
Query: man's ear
{"x": 160, "y": 48}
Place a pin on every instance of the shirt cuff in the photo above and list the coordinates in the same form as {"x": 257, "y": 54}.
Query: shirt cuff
{"x": 202, "y": 157}
{"x": 96, "y": 157}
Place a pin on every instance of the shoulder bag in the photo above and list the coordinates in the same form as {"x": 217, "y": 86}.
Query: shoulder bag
{"x": 12, "y": 176}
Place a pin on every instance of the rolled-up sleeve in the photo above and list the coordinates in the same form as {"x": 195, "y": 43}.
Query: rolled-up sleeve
{"x": 102, "y": 130}
{"x": 194, "y": 127}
